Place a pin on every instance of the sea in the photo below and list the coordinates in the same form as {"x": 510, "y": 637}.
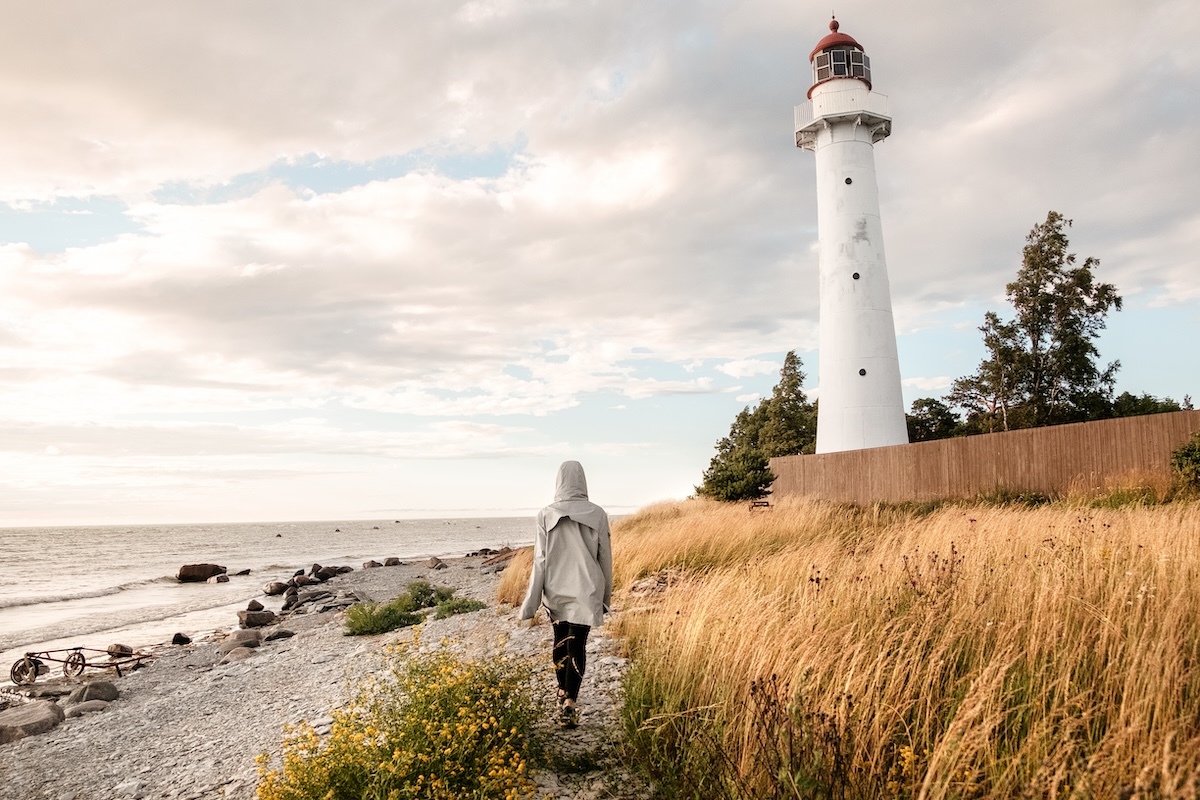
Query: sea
{"x": 91, "y": 587}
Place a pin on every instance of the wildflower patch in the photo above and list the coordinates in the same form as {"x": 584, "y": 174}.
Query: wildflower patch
{"x": 426, "y": 725}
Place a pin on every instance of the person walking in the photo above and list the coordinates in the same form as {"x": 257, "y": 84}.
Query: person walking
{"x": 572, "y": 577}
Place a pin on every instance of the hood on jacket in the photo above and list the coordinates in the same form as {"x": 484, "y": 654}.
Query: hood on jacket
{"x": 571, "y": 484}
{"x": 571, "y": 499}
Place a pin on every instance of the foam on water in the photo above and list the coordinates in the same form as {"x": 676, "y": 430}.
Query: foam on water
{"x": 94, "y": 586}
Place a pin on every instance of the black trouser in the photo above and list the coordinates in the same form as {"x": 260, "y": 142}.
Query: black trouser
{"x": 570, "y": 656}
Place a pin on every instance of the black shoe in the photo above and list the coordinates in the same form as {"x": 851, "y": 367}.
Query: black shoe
{"x": 568, "y": 717}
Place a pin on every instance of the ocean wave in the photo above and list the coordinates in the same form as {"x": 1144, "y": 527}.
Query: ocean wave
{"x": 123, "y": 619}
{"x": 86, "y": 594}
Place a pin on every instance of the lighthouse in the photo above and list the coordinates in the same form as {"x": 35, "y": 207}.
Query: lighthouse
{"x": 860, "y": 402}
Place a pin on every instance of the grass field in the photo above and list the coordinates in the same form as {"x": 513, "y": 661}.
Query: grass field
{"x": 817, "y": 650}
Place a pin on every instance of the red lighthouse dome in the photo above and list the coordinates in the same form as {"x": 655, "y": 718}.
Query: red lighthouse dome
{"x": 839, "y": 56}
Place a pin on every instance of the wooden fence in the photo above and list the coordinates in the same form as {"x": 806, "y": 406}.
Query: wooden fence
{"x": 1053, "y": 460}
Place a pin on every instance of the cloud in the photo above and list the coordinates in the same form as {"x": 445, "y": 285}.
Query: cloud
{"x": 743, "y": 368}
{"x": 421, "y": 218}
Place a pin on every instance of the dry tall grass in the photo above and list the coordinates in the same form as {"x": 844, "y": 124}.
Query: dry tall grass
{"x": 969, "y": 652}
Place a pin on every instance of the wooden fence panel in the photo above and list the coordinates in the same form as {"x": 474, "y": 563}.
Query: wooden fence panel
{"x": 1046, "y": 460}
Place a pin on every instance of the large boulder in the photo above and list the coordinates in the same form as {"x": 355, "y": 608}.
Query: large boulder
{"x": 392, "y": 561}
{"x": 274, "y": 588}
{"x": 256, "y": 619}
{"x": 198, "y": 573}
{"x": 29, "y": 719}
{"x": 94, "y": 690}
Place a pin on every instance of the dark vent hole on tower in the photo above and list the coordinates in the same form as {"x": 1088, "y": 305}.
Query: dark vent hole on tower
{"x": 862, "y": 372}
{"x": 856, "y": 276}
{"x": 848, "y": 181}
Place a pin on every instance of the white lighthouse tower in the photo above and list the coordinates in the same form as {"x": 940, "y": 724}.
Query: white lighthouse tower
{"x": 860, "y": 402}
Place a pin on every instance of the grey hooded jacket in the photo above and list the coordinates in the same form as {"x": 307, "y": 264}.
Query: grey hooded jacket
{"x": 572, "y": 555}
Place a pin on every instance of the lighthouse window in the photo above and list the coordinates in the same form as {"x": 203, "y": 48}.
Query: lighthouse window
{"x": 821, "y": 64}
{"x": 860, "y": 65}
{"x": 838, "y": 57}
{"x": 841, "y": 64}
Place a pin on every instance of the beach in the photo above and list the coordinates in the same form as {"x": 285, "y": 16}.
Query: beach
{"x": 72, "y": 586}
{"x": 189, "y": 727}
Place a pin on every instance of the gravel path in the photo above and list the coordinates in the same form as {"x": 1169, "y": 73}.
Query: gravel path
{"x": 187, "y": 727}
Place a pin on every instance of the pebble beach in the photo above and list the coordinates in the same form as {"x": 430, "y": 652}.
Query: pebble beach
{"x": 189, "y": 726}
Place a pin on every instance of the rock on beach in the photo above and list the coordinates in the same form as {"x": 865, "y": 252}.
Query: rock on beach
{"x": 191, "y": 724}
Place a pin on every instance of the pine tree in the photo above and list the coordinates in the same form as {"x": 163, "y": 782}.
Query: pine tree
{"x": 1041, "y": 366}
{"x": 783, "y": 424}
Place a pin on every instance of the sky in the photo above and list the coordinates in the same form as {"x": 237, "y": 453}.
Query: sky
{"x": 314, "y": 260}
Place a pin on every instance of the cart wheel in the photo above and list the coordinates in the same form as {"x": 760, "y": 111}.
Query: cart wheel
{"x": 25, "y": 671}
{"x": 73, "y": 664}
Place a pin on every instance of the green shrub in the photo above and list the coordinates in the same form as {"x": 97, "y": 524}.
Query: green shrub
{"x": 368, "y": 619}
{"x": 1185, "y": 464}
{"x": 458, "y": 605}
{"x": 426, "y": 595}
{"x": 426, "y": 725}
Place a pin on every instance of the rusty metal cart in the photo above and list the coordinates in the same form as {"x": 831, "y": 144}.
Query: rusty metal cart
{"x": 74, "y": 660}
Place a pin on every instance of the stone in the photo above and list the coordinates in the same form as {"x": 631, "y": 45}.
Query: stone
{"x": 254, "y": 605}
{"x": 86, "y": 707}
{"x": 392, "y": 561}
{"x": 181, "y": 638}
{"x": 229, "y": 645}
{"x": 488, "y": 569}
{"x": 222, "y": 578}
{"x": 505, "y": 555}
{"x": 279, "y": 633}
{"x": 325, "y": 573}
{"x": 94, "y": 690}
{"x": 256, "y": 619}
{"x": 273, "y": 588}
{"x": 303, "y": 580}
{"x": 237, "y": 654}
{"x": 245, "y": 635}
{"x": 119, "y": 650}
{"x": 197, "y": 573}
{"x": 29, "y": 719}
{"x": 130, "y": 788}
{"x": 435, "y": 563}
{"x": 372, "y": 564}
{"x": 242, "y": 572}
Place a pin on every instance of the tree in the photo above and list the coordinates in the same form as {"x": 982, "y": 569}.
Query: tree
{"x": 1041, "y": 366}
{"x": 1131, "y": 405}
{"x": 743, "y": 474}
{"x": 783, "y": 424}
{"x": 931, "y": 419}
{"x": 789, "y": 425}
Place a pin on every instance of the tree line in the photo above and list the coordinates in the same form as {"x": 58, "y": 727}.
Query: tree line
{"x": 1040, "y": 368}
